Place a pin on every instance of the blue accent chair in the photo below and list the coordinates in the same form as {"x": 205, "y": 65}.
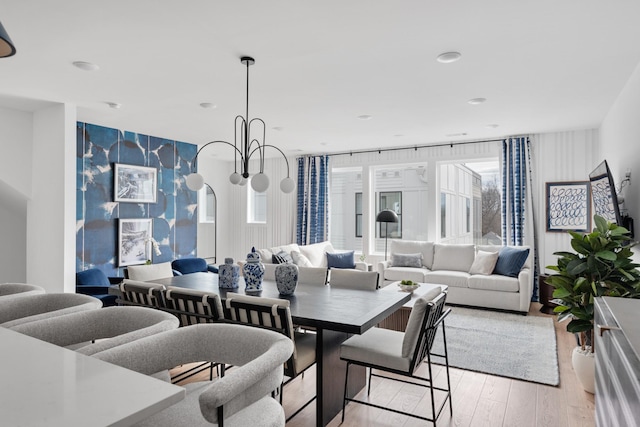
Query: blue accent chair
{"x": 192, "y": 265}
{"x": 95, "y": 283}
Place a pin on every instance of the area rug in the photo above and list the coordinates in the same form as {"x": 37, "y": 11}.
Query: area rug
{"x": 503, "y": 344}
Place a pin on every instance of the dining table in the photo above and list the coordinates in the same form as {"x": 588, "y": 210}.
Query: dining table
{"x": 334, "y": 313}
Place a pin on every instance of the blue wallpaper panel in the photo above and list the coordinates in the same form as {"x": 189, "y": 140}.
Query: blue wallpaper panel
{"x": 174, "y": 215}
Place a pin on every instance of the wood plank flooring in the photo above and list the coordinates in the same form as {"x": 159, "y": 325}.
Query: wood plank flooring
{"x": 478, "y": 399}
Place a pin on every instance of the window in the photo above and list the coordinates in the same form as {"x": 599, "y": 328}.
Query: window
{"x": 358, "y": 214}
{"x": 391, "y": 200}
{"x": 207, "y": 205}
{"x": 470, "y": 202}
{"x": 256, "y": 206}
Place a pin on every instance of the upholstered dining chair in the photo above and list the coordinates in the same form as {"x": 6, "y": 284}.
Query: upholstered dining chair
{"x": 95, "y": 282}
{"x": 112, "y": 326}
{"x": 353, "y": 279}
{"x": 192, "y": 307}
{"x": 401, "y": 353}
{"x": 243, "y": 397}
{"x": 149, "y": 272}
{"x": 17, "y": 290}
{"x": 192, "y": 265}
{"x": 313, "y": 275}
{"x": 144, "y": 294}
{"x": 274, "y": 314}
{"x": 37, "y": 307}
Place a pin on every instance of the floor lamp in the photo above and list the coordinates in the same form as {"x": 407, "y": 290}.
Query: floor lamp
{"x": 386, "y": 216}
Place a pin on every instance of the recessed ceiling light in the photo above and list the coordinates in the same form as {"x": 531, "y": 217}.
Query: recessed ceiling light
{"x": 323, "y": 143}
{"x": 492, "y": 126}
{"x": 114, "y": 105}
{"x": 448, "y": 57}
{"x": 457, "y": 134}
{"x": 476, "y": 101}
{"x": 398, "y": 135}
{"x": 208, "y": 105}
{"x": 365, "y": 117}
{"x": 278, "y": 128}
{"x": 85, "y": 66}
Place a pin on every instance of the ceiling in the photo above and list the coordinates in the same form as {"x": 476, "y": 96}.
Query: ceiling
{"x": 543, "y": 66}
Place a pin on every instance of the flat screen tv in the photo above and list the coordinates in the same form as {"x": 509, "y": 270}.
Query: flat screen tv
{"x": 603, "y": 193}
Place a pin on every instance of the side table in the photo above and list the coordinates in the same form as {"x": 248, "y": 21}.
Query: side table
{"x": 546, "y": 295}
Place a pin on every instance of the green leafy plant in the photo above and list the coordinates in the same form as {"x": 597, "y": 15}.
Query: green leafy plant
{"x": 600, "y": 266}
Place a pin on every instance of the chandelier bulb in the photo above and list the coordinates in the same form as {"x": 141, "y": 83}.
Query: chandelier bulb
{"x": 287, "y": 185}
{"x": 260, "y": 182}
{"x": 235, "y": 178}
{"x": 195, "y": 181}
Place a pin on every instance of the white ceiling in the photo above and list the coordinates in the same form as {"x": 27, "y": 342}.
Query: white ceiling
{"x": 544, "y": 65}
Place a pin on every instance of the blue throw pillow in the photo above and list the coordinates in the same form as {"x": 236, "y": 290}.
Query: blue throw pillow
{"x": 341, "y": 260}
{"x": 510, "y": 261}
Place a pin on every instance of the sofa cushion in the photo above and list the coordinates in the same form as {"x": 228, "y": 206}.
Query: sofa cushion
{"x": 406, "y": 273}
{"x": 412, "y": 247}
{"x": 510, "y": 261}
{"x": 495, "y": 282}
{"x": 406, "y": 260}
{"x": 266, "y": 255}
{"x": 316, "y": 253}
{"x": 484, "y": 263}
{"x": 340, "y": 260}
{"x": 453, "y": 257}
{"x": 300, "y": 260}
{"x": 282, "y": 257}
{"x": 456, "y": 279}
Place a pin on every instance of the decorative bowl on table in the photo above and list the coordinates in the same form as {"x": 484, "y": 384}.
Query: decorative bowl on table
{"x": 408, "y": 286}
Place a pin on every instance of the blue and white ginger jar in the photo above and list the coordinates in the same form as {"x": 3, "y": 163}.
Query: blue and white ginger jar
{"x": 228, "y": 274}
{"x": 286, "y": 278}
{"x": 253, "y": 271}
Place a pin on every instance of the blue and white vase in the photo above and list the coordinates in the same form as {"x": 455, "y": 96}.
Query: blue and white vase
{"x": 286, "y": 278}
{"x": 228, "y": 274}
{"x": 253, "y": 271}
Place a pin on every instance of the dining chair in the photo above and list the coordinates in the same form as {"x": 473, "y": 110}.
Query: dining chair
{"x": 313, "y": 275}
{"x": 243, "y": 397}
{"x": 95, "y": 282}
{"x": 92, "y": 331}
{"x": 149, "y": 272}
{"x": 353, "y": 279}
{"x": 192, "y": 265}
{"x": 15, "y": 311}
{"x": 401, "y": 353}
{"x": 144, "y": 294}
{"x": 192, "y": 307}
{"x": 18, "y": 290}
{"x": 274, "y": 314}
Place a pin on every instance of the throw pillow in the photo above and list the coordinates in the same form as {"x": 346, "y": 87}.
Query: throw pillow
{"x": 282, "y": 258}
{"x": 510, "y": 261}
{"x": 300, "y": 260}
{"x": 341, "y": 260}
{"x": 406, "y": 260}
{"x": 484, "y": 263}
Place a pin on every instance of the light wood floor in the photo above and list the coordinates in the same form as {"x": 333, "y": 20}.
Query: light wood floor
{"x": 478, "y": 399}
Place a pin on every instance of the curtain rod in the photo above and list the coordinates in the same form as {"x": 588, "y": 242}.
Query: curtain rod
{"x": 414, "y": 147}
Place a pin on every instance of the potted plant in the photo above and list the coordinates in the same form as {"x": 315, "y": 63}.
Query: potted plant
{"x": 600, "y": 266}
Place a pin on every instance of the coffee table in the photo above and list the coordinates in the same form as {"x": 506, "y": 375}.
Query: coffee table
{"x": 398, "y": 320}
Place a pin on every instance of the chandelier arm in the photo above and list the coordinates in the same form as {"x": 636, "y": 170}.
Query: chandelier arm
{"x": 285, "y": 157}
{"x": 243, "y": 125}
{"x": 264, "y": 139}
{"x": 195, "y": 159}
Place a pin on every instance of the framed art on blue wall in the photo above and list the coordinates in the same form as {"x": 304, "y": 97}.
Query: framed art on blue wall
{"x": 134, "y": 241}
{"x": 568, "y": 206}
{"x": 135, "y": 184}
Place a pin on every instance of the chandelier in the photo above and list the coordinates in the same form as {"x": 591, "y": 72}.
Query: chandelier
{"x": 245, "y": 144}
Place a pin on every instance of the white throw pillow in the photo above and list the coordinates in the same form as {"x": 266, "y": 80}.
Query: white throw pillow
{"x": 316, "y": 253}
{"x": 484, "y": 263}
{"x": 300, "y": 260}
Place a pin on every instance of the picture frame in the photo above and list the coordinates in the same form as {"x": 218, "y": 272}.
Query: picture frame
{"x": 568, "y": 206}
{"x": 135, "y": 184}
{"x": 134, "y": 241}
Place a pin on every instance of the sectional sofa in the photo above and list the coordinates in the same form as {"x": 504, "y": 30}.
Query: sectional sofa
{"x": 483, "y": 276}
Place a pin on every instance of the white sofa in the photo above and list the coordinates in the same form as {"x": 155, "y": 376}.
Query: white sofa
{"x": 449, "y": 264}
{"x": 314, "y": 256}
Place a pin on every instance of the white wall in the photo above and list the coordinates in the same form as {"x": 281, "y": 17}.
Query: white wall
{"x": 16, "y": 134}
{"x": 51, "y": 210}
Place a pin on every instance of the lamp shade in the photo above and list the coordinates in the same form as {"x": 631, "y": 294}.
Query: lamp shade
{"x": 195, "y": 181}
{"x": 7, "y": 47}
{"x": 387, "y": 215}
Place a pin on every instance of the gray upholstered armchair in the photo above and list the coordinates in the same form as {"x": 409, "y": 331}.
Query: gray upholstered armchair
{"x": 112, "y": 326}
{"x": 37, "y": 307}
{"x": 243, "y": 397}
{"x": 17, "y": 290}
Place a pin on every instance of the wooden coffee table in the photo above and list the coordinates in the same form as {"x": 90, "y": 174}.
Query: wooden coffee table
{"x": 398, "y": 320}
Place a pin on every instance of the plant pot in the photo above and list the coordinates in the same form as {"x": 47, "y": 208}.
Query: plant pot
{"x": 584, "y": 365}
